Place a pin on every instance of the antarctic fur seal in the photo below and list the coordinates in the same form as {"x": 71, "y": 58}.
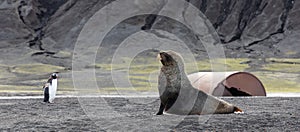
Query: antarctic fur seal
{"x": 178, "y": 96}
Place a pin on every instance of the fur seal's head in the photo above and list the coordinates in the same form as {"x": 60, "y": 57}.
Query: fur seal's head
{"x": 170, "y": 58}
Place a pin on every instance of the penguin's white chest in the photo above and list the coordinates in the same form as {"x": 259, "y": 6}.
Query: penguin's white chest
{"x": 54, "y": 84}
{"x": 52, "y": 90}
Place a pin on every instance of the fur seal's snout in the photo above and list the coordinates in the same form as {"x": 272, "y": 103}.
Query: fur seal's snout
{"x": 178, "y": 96}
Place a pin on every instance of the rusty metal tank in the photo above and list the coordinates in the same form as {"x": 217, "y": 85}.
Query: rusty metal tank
{"x": 228, "y": 83}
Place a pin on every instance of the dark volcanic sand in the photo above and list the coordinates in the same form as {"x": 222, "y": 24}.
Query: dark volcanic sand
{"x": 128, "y": 114}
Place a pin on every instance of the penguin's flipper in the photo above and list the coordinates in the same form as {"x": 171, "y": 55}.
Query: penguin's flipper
{"x": 46, "y": 85}
{"x": 46, "y": 94}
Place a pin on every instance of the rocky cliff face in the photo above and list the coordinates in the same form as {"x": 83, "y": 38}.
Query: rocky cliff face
{"x": 46, "y": 31}
{"x": 255, "y": 27}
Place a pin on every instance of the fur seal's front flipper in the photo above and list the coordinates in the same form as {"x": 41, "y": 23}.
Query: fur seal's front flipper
{"x": 178, "y": 96}
{"x": 161, "y": 109}
{"x": 169, "y": 103}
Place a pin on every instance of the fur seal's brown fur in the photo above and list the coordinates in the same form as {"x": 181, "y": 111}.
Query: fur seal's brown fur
{"x": 178, "y": 96}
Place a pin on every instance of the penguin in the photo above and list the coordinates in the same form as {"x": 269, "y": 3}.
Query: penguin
{"x": 50, "y": 88}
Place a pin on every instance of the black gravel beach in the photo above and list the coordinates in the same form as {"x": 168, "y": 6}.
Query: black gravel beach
{"x": 113, "y": 47}
{"x": 138, "y": 114}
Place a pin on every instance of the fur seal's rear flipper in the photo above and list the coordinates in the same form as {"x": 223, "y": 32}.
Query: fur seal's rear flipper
{"x": 178, "y": 96}
{"x": 237, "y": 110}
